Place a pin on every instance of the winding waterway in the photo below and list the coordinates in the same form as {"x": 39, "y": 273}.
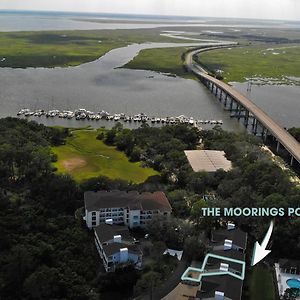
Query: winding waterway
{"x": 100, "y": 86}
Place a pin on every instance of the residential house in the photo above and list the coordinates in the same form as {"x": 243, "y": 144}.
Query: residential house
{"x": 115, "y": 246}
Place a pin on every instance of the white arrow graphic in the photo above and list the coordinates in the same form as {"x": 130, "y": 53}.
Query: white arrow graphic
{"x": 259, "y": 251}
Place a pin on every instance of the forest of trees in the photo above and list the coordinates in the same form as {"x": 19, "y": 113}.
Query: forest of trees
{"x": 46, "y": 253}
{"x": 255, "y": 180}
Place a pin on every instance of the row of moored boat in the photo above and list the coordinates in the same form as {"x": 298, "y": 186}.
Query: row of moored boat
{"x": 83, "y": 114}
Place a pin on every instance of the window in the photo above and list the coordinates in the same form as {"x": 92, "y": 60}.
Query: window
{"x": 93, "y": 223}
{"x": 94, "y": 218}
{"x": 93, "y": 213}
{"x": 135, "y": 217}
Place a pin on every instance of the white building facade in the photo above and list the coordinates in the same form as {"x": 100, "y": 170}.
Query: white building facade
{"x": 116, "y": 247}
{"x": 130, "y": 208}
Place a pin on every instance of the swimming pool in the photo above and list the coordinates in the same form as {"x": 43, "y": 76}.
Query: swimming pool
{"x": 293, "y": 283}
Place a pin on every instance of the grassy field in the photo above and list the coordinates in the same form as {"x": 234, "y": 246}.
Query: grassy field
{"x": 261, "y": 284}
{"x": 85, "y": 157}
{"x": 167, "y": 60}
{"x": 258, "y": 61}
{"x": 66, "y": 48}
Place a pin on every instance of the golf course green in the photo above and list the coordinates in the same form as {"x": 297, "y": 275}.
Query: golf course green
{"x": 84, "y": 157}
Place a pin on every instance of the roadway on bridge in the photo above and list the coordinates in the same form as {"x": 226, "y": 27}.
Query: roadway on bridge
{"x": 285, "y": 139}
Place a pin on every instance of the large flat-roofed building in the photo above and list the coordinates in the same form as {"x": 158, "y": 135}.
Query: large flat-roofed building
{"x": 208, "y": 160}
{"x": 133, "y": 209}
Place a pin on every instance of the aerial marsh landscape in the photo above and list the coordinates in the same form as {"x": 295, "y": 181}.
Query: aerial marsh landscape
{"x": 67, "y": 48}
{"x": 267, "y": 61}
{"x": 118, "y": 173}
{"x": 84, "y": 157}
{"x": 167, "y": 60}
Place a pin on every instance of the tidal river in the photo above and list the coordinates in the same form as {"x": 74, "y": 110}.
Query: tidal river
{"x": 100, "y": 85}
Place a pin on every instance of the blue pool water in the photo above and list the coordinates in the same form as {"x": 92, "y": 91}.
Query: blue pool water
{"x": 293, "y": 283}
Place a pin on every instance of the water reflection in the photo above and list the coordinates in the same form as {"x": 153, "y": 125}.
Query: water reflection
{"x": 99, "y": 86}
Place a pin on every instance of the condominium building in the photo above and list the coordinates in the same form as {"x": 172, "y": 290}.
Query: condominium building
{"x": 133, "y": 209}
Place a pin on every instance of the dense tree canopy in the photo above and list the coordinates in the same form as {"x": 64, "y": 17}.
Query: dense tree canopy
{"x": 46, "y": 253}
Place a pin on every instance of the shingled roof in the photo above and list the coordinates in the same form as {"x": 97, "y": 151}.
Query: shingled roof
{"x": 237, "y": 236}
{"x": 232, "y": 287}
{"x": 106, "y": 232}
{"x": 133, "y": 200}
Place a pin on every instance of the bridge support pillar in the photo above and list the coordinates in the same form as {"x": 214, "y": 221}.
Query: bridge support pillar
{"x": 264, "y": 133}
{"x": 255, "y": 127}
{"x": 278, "y": 146}
{"x": 231, "y": 104}
{"x": 239, "y": 112}
{"x": 246, "y": 120}
{"x": 225, "y": 101}
{"x": 292, "y": 160}
{"x": 254, "y": 124}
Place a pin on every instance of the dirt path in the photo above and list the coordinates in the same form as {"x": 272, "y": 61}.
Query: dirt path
{"x": 73, "y": 163}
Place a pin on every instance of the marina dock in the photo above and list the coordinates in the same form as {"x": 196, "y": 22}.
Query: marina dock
{"x": 83, "y": 114}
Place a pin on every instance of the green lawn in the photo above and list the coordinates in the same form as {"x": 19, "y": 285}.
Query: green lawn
{"x": 85, "y": 157}
{"x": 67, "y": 48}
{"x": 263, "y": 61}
{"x": 261, "y": 284}
{"x": 166, "y": 60}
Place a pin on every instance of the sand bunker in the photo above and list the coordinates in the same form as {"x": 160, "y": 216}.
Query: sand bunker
{"x": 73, "y": 163}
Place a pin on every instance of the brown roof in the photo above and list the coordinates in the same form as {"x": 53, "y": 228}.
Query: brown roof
{"x": 133, "y": 200}
{"x": 113, "y": 248}
{"x": 106, "y": 232}
{"x": 238, "y": 237}
{"x": 234, "y": 254}
{"x": 156, "y": 200}
{"x": 230, "y": 286}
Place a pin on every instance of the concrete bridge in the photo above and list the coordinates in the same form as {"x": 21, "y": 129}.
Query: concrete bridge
{"x": 242, "y": 108}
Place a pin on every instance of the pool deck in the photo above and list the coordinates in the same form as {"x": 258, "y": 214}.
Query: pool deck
{"x": 282, "y": 278}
